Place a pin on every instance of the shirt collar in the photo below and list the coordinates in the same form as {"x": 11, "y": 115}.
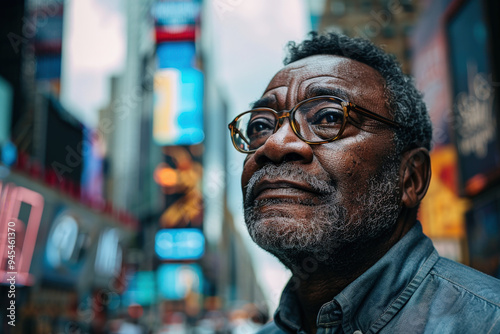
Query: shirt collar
{"x": 374, "y": 297}
{"x": 287, "y": 316}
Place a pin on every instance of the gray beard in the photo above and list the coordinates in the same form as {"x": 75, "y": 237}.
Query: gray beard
{"x": 332, "y": 235}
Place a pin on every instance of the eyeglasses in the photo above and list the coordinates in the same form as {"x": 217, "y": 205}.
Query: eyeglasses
{"x": 317, "y": 120}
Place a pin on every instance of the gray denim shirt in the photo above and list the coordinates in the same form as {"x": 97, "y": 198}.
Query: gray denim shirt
{"x": 411, "y": 289}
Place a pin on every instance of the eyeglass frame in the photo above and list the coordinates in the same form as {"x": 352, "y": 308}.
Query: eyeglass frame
{"x": 281, "y": 115}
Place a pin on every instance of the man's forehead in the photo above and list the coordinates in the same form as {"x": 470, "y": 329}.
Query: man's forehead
{"x": 311, "y": 91}
{"x": 325, "y": 75}
{"x": 327, "y": 65}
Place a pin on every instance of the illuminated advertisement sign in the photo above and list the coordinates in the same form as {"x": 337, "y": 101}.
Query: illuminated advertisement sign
{"x": 108, "y": 259}
{"x": 20, "y": 215}
{"x": 62, "y": 241}
{"x": 442, "y": 210}
{"x": 141, "y": 289}
{"x": 178, "y": 91}
{"x": 176, "y": 55}
{"x": 180, "y": 180}
{"x": 178, "y": 113}
{"x": 475, "y": 107}
{"x": 175, "y": 19}
{"x": 176, "y": 281}
{"x": 66, "y": 246}
{"x": 176, "y": 13}
{"x": 180, "y": 244}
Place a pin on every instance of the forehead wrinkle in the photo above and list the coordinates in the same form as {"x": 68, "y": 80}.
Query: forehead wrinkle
{"x": 273, "y": 88}
{"x": 292, "y": 92}
{"x": 294, "y": 80}
{"x": 299, "y": 67}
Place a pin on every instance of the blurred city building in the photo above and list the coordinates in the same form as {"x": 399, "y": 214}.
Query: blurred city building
{"x": 387, "y": 23}
{"x": 103, "y": 147}
{"x": 76, "y": 238}
{"x": 456, "y": 66}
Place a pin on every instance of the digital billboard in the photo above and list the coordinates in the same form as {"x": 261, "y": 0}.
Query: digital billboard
{"x": 178, "y": 96}
{"x": 177, "y": 281}
{"x": 180, "y": 244}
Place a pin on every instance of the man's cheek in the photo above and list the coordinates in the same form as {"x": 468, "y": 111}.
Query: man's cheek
{"x": 352, "y": 165}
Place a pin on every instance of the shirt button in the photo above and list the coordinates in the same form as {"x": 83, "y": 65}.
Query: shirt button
{"x": 357, "y": 332}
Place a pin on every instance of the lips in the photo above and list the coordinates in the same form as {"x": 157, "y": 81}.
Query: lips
{"x": 281, "y": 188}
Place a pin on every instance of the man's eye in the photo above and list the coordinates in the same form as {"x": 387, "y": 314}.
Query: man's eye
{"x": 328, "y": 117}
{"x": 258, "y": 126}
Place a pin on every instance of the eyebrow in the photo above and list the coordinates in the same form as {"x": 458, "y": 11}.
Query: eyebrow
{"x": 263, "y": 102}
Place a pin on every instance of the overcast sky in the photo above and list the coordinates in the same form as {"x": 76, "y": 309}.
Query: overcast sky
{"x": 94, "y": 49}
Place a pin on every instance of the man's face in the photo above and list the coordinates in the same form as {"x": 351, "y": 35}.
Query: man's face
{"x": 303, "y": 199}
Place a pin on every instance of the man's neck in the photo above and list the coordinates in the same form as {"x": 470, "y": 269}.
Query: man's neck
{"x": 324, "y": 284}
{"x": 313, "y": 294}
{"x": 321, "y": 288}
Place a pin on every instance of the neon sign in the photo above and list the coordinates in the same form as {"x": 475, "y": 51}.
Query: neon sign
{"x": 180, "y": 244}
{"x": 11, "y": 198}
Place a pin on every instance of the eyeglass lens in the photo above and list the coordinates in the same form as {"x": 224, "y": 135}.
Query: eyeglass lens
{"x": 315, "y": 121}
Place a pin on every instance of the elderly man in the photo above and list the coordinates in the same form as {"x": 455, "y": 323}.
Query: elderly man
{"x": 337, "y": 164}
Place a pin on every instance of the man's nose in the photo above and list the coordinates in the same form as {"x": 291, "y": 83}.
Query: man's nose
{"x": 284, "y": 145}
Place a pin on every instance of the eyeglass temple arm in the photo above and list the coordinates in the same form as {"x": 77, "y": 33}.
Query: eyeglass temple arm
{"x": 375, "y": 116}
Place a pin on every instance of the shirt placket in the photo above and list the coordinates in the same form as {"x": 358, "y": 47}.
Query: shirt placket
{"x": 330, "y": 318}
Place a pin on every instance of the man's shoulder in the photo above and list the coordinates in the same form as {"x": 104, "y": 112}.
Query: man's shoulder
{"x": 270, "y": 328}
{"x": 469, "y": 280}
{"x": 453, "y": 298}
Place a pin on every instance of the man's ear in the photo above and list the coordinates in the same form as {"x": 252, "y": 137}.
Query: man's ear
{"x": 415, "y": 176}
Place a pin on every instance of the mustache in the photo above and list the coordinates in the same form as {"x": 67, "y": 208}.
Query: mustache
{"x": 290, "y": 171}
